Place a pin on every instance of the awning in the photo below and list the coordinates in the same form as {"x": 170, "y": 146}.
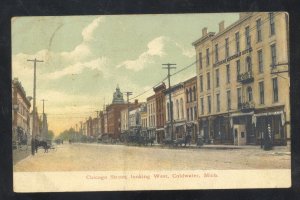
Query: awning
{"x": 179, "y": 124}
{"x": 281, "y": 113}
{"x": 241, "y": 114}
{"x": 160, "y": 129}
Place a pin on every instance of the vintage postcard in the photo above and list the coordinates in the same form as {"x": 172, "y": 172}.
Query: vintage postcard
{"x": 151, "y": 102}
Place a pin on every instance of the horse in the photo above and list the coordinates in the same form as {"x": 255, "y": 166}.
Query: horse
{"x": 41, "y": 144}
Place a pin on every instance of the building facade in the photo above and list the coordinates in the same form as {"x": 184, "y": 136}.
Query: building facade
{"x": 178, "y": 111}
{"x": 243, "y": 80}
{"x": 190, "y": 88}
{"x": 151, "y": 116}
{"x": 21, "y": 116}
{"x": 160, "y": 102}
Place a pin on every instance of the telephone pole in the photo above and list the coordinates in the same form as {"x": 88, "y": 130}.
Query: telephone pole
{"x": 169, "y": 67}
{"x": 128, "y": 122}
{"x": 34, "y": 105}
{"x": 43, "y": 100}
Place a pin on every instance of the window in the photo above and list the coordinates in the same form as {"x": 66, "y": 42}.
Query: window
{"x": 261, "y": 93}
{"x": 200, "y": 60}
{"x": 177, "y": 108}
{"x": 208, "y": 104}
{"x": 260, "y": 61}
{"x": 238, "y": 68}
{"x": 248, "y": 64}
{"x": 249, "y": 92}
{"x": 273, "y": 55}
{"x": 228, "y": 100}
{"x": 237, "y": 42}
{"x": 187, "y": 95}
{"x": 272, "y": 24}
{"x": 218, "y": 102}
{"x": 248, "y": 38}
{"x": 226, "y": 47}
{"x": 258, "y": 29}
{"x": 227, "y": 74}
{"x": 208, "y": 81}
{"x": 239, "y": 97}
{"x": 195, "y": 94}
{"x": 217, "y": 78}
{"x": 188, "y": 114}
{"x": 192, "y": 116}
{"x": 181, "y": 108}
{"x": 202, "y": 106}
{"x": 216, "y": 53}
{"x": 207, "y": 57}
{"x": 201, "y": 83}
{"x": 191, "y": 95}
{"x": 275, "y": 90}
{"x": 195, "y": 113}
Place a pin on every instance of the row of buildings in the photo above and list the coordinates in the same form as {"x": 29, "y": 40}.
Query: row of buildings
{"x": 22, "y": 117}
{"x": 239, "y": 94}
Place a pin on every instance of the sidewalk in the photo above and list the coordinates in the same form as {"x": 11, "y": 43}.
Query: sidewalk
{"x": 20, "y": 154}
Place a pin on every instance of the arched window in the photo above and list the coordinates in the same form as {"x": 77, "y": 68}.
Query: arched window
{"x": 195, "y": 95}
{"x": 181, "y": 106}
{"x": 187, "y": 95}
{"x": 177, "y": 108}
{"x": 191, "y": 94}
{"x": 248, "y": 64}
{"x": 249, "y": 92}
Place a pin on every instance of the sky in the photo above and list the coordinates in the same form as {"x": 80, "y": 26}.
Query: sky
{"x": 86, "y": 57}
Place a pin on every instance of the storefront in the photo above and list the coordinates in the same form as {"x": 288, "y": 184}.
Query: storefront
{"x": 192, "y": 129}
{"x": 244, "y": 121}
{"x": 160, "y": 135}
{"x": 275, "y": 121}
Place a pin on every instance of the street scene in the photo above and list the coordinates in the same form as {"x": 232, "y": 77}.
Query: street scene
{"x": 151, "y": 92}
{"x": 107, "y": 157}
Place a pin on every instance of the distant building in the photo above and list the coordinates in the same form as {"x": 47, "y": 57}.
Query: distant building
{"x": 20, "y": 113}
{"x": 190, "y": 88}
{"x": 179, "y": 115}
{"x": 151, "y": 115}
{"x": 113, "y": 112}
{"x": 243, "y": 80}
{"x": 160, "y": 102}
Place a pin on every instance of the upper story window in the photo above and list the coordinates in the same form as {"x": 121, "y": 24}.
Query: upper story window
{"x": 273, "y": 55}
{"x": 218, "y": 102}
{"x": 248, "y": 64}
{"x": 226, "y": 47}
{"x": 247, "y": 37}
{"x": 191, "y": 94}
{"x": 217, "y": 78}
{"x": 238, "y": 67}
{"x": 272, "y": 24}
{"x": 228, "y": 100}
{"x": 201, "y": 83}
{"x": 228, "y": 73}
{"x": 258, "y": 29}
{"x": 202, "y": 106}
{"x": 250, "y": 95}
{"x": 239, "y": 97}
{"x": 200, "y": 60}
{"x": 260, "y": 61}
{"x": 187, "y": 95}
{"x": 275, "y": 90}
{"x": 208, "y": 104}
{"x": 237, "y": 42}
{"x": 261, "y": 92}
{"x": 216, "y": 53}
{"x": 207, "y": 57}
{"x": 181, "y": 106}
{"x": 208, "y": 81}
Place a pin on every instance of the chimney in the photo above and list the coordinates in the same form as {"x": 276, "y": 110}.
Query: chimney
{"x": 204, "y": 31}
{"x": 221, "y": 26}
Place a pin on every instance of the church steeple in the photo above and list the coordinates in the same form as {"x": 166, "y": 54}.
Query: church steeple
{"x": 118, "y": 96}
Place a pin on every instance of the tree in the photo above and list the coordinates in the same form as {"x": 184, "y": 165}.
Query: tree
{"x": 50, "y": 135}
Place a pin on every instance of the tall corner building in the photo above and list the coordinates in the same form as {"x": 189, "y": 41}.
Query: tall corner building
{"x": 243, "y": 80}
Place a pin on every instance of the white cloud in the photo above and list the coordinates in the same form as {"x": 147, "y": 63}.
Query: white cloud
{"x": 155, "y": 48}
{"x": 188, "y": 52}
{"x": 87, "y": 32}
{"x": 98, "y": 64}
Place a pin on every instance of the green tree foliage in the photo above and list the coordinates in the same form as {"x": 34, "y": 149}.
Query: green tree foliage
{"x": 50, "y": 135}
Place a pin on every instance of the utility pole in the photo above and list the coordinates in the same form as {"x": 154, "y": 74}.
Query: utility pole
{"x": 43, "y": 100}
{"x": 34, "y": 105}
{"x": 128, "y": 123}
{"x": 169, "y": 67}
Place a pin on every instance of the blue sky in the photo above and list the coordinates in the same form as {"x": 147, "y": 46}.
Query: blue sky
{"x": 85, "y": 57}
